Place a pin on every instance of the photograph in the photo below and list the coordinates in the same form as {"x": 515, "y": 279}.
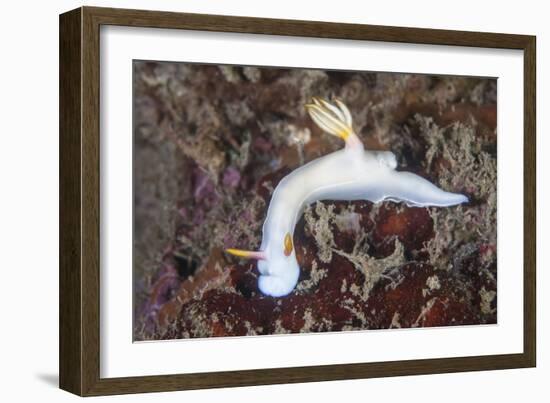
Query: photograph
{"x": 274, "y": 200}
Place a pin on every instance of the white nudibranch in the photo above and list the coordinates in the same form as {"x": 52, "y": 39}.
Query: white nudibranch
{"x": 352, "y": 173}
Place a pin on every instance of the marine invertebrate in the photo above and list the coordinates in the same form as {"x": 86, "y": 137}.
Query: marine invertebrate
{"x": 352, "y": 173}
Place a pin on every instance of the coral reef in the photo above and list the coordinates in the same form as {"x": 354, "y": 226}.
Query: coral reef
{"x": 212, "y": 142}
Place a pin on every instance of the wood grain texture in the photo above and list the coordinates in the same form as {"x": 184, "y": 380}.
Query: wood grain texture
{"x": 90, "y": 202}
{"x": 80, "y": 200}
{"x": 70, "y": 276}
{"x": 530, "y": 203}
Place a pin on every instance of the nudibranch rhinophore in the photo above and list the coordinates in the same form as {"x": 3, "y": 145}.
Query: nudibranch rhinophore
{"x": 352, "y": 173}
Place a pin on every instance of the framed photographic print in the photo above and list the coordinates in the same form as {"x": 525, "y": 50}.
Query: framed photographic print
{"x": 250, "y": 201}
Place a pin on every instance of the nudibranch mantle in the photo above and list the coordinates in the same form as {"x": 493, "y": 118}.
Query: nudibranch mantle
{"x": 352, "y": 173}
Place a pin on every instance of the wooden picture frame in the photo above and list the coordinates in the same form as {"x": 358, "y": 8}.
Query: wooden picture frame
{"x": 79, "y": 201}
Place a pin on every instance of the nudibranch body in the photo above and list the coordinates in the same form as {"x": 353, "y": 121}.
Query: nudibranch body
{"x": 352, "y": 173}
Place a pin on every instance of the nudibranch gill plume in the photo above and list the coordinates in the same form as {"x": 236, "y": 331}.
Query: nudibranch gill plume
{"x": 352, "y": 173}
